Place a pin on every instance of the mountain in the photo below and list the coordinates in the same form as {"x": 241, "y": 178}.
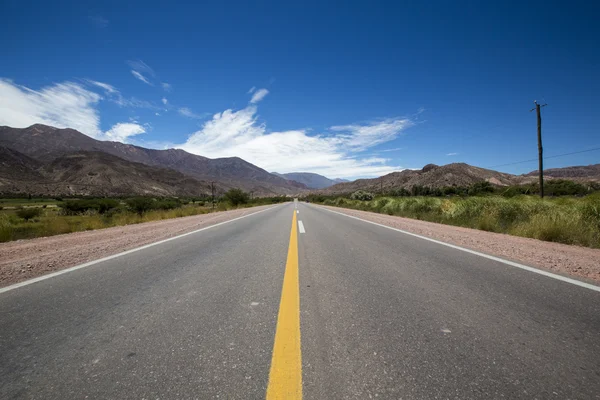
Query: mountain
{"x": 312, "y": 181}
{"x": 44, "y": 143}
{"x": 92, "y": 174}
{"x": 434, "y": 176}
{"x": 586, "y": 172}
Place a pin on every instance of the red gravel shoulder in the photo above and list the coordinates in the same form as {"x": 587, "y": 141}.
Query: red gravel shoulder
{"x": 26, "y": 259}
{"x": 559, "y": 258}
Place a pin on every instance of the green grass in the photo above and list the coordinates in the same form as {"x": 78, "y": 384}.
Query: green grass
{"x": 570, "y": 220}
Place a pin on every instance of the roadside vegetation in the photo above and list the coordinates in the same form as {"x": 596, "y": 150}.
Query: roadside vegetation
{"x": 570, "y": 218}
{"x": 26, "y": 218}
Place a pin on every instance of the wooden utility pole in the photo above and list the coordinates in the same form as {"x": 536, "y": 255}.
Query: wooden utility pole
{"x": 540, "y": 149}
{"x": 212, "y": 188}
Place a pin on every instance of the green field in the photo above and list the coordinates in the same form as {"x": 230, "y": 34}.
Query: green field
{"x": 26, "y": 219}
{"x": 570, "y": 220}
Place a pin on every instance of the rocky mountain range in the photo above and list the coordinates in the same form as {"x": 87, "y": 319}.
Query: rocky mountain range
{"x": 459, "y": 174}
{"x": 45, "y": 144}
{"x": 311, "y": 180}
{"x": 43, "y": 160}
{"x": 93, "y": 174}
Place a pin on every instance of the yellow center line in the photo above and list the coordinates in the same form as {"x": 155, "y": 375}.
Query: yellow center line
{"x": 285, "y": 377}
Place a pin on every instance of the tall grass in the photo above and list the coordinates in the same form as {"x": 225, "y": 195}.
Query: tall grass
{"x": 55, "y": 222}
{"x": 569, "y": 220}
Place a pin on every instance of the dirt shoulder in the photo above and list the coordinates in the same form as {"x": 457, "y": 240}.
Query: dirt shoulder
{"x": 559, "y": 258}
{"x": 26, "y": 259}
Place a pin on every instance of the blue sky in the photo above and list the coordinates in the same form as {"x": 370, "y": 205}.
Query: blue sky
{"x": 347, "y": 90}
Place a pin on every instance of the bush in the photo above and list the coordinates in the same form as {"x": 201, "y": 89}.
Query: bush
{"x": 140, "y": 205}
{"x": 29, "y": 213}
{"x": 101, "y": 206}
{"x": 236, "y": 197}
{"x": 166, "y": 204}
{"x": 361, "y": 195}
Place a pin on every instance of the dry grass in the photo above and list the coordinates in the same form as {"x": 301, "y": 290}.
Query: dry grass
{"x": 570, "y": 220}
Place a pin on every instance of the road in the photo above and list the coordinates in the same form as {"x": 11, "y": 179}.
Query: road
{"x": 365, "y": 312}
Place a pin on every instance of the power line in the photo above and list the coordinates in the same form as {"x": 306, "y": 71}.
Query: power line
{"x": 545, "y": 158}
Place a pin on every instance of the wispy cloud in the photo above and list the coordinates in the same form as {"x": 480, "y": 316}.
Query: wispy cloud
{"x": 186, "y": 112}
{"x": 141, "y": 77}
{"x": 62, "y": 105}
{"x": 452, "y": 154}
{"x": 107, "y": 88}
{"x": 389, "y": 150}
{"x": 362, "y": 136}
{"x": 252, "y": 89}
{"x": 164, "y": 101}
{"x": 239, "y": 133}
{"x": 99, "y": 21}
{"x": 141, "y": 66}
{"x": 167, "y": 87}
{"x": 259, "y": 95}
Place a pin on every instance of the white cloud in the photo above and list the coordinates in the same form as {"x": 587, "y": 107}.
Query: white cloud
{"x": 166, "y": 86}
{"x": 452, "y": 154}
{"x": 107, "y": 88}
{"x": 361, "y": 137}
{"x": 165, "y": 101}
{"x": 62, "y": 105}
{"x": 114, "y": 95}
{"x": 252, "y": 89}
{"x": 141, "y": 66}
{"x": 394, "y": 149}
{"x": 121, "y": 132}
{"x": 259, "y": 95}
{"x": 239, "y": 133}
{"x": 141, "y": 77}
{"x": 186, "y": 112}
{"x": 157, "y": 114}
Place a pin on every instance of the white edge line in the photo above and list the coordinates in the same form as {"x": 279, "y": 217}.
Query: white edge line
{"x": 511, "y": 263}
{"x": 87, "y": 264}
{"x": 301, "y": 227}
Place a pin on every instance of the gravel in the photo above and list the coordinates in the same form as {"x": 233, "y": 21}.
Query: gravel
{"x": 582, "y": 262}
{"x": 25, "y": 259}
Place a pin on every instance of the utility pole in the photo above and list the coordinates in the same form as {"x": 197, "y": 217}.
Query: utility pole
{"x": 212, "y": 188}
{"x": 252, "y": 195}
{"x": 540, "y": 149}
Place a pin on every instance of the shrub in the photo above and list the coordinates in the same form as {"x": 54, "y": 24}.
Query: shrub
{"x": 361, "y": 195}
{"x": 140, "y": 205}
{"x": 166, "y": 204}
{"x": 236, "y": 197}
{"x": 73, "y": 207}
{"x": 29, "y": 213}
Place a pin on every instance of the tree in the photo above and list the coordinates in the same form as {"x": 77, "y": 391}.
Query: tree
{"x": 29, "y": 213}
{"x": 236, "y": 197}
{"x": 140, "y": 204}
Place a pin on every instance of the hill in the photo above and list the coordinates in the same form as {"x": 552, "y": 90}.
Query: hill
{"x": 92, "y": 174}
{"x": 434, "y": 176}
{"x": 312, "y": 181}
{"x": 586, "y": 172}
{"x": 44, "y": 144}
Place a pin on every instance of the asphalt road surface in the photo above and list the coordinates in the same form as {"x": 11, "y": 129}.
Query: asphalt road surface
{"x": 310, "y": 305}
